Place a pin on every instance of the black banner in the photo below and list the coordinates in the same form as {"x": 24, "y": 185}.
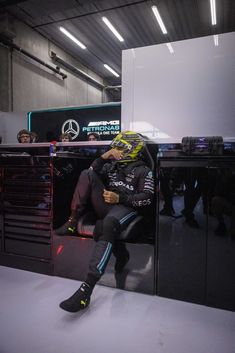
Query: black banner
{"x": 103, "y": 119}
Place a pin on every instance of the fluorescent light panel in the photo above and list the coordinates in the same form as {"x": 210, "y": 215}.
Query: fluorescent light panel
{"x": 216, "y": 40}
{"x": 159, "y": 19}
{"x": 169, "y": 46}
{"x": 112, "y": 29}
{"x": 111, "y": 70}
{"x": 74, "y": 39}
{"x": 213, "y": 12}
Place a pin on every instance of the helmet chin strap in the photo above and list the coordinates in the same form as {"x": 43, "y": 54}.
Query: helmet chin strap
{"x": 125, "y": 161}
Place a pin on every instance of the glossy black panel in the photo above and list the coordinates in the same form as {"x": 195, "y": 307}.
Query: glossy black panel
{"x": 221, "y": 241}
{"x": 182, "y": 235}
{"x": 27, "y": 263}
{"x": 139, "y": 273}
{"x": 196, "y": 246}
{"x": 71, "y": 260}
{"x": 27, "y": 187}
{"x": 38, "y": 250}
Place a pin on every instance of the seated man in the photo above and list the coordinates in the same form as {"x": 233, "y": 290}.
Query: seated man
{"x": 118, "y": 185}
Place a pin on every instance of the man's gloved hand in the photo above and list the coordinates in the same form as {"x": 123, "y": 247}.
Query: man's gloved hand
{"x": 110, "y": 197}
{"x": 113, "y": 154}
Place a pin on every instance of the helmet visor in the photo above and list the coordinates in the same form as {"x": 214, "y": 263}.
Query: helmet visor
{"x": 122, "y": 145}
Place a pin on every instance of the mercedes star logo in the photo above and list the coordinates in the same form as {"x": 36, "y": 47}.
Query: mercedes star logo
{"x": 71, "y": 127}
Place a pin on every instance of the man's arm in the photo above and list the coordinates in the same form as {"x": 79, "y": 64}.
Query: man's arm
{"x": 112, "y": 154}
{"x": 145, "y": 192}
{"x": 143, "y": 196}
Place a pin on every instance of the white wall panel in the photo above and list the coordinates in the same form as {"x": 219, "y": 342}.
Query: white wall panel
{"x": 189, "y": 92}
{"x": 11, "y": 124}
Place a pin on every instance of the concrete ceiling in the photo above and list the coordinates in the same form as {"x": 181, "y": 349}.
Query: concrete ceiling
{"x": 134, "y": 19}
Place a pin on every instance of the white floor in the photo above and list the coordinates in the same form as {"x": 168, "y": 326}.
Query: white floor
{"x": 116, "y": 321}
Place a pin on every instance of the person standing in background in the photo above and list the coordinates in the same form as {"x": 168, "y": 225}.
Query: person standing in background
{"x": 93, "y": 136}
{"x": 34, "y": 137}
{"x": 65, "y": 137}
{"x": 24, "y": 136}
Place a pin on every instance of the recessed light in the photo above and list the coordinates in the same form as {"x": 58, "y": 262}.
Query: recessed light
{"x": 112, "y": 29}
{"x": 159, "y": 19}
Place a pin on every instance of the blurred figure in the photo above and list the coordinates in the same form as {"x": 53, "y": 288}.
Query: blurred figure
{"x": 196, "y": 186}
{"x": 223, "y": 202}
{"x": 92, "y": 151}
{"x": 34, "y": 137}
{"x": 66, "y": 137}
{"x": 93, "y": 136}
{"x": 167, "y": 191}
{"x": 24, "y": 136}
{"x": 63, "y": 167}
{"x": 65, "y": 176}
{"x": 0, "y": 139}
{"x": 50, "y": 136}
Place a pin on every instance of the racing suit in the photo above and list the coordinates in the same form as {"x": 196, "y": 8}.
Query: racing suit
{"x": 134, "y": 184}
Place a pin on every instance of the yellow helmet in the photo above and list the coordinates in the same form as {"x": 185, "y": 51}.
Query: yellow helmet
{"x": 131, "y": 143}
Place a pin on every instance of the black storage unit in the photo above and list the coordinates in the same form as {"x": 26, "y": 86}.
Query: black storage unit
{"x": 26, "y": 212}
{"x": 196, "y": 263}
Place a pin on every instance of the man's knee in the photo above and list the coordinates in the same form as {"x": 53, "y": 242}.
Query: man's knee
{"x": 87, "y": 177}
{"x": 84, "y": 175}
{"x": 90, "y": 176}
{"x": 109, "y": 229}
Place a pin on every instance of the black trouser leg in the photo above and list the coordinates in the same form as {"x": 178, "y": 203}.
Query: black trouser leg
{"x": 116, "y": 220}
{"x": 102, "y": 250}
{"x": 122, "y": 256}
{"x": 89, "y": 190}
{"x": 119, "y": 249}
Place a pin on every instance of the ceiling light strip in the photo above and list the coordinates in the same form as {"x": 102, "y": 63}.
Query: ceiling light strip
{"x": 213, "y": 12}
{"x": 112, "y": 29}
{"x": 111, "y": 70}
{"x": 70, "y": 36}
{"x": 159, "y": 19}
